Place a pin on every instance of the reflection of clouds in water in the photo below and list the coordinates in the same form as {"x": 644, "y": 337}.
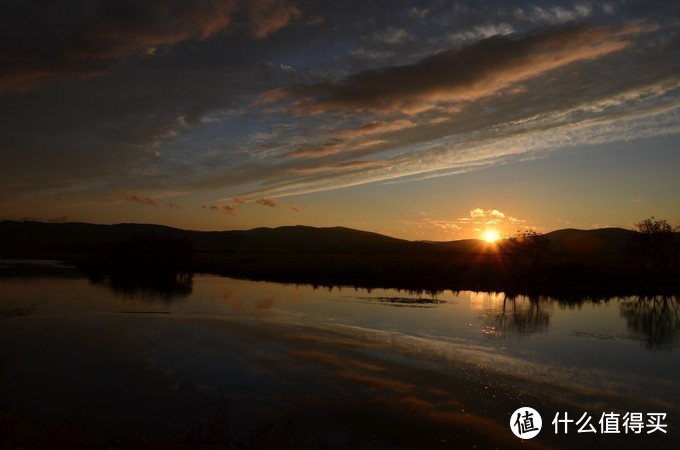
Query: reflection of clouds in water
{"x": 335, "y": 341}
{"x": 401, "y": 402}
{"x": 348, "y": 369}
{"x": 555, "y": 381}
{"x": 263, "y": 304}
{"x": 239, "y": 303}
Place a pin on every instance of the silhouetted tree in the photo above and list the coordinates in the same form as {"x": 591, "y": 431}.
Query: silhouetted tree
{"x": 526, "y": 244}
{"x": 143, "y": 256}
{"x": 150, "y": 264}
{"x": 655, "y": 247}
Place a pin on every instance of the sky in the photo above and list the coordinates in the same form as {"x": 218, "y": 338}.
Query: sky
{"x": 434, "y": 120}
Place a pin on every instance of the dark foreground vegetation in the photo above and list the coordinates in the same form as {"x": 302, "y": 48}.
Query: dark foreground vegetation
{"x": 136, "y": 257}
{"x": 21, "y": 431}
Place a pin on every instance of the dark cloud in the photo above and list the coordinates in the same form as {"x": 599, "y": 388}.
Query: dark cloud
{"x": 224, "y": 209}
{"x": 458, "y": 74}
{"x": 159, "y": 97}
{"x": 266, "y": 202}
{"x": 227, "y": 209}
{"x": 268, "y": 16}
{"x": 345, "y": 140}
{"x": 42, "y": 40}
{"x": 141, "y": 199}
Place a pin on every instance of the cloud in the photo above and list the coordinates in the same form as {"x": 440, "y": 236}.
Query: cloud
{"x": 393, "y": 36}
{"x": 350, "y": 165}
{"x": 482, "y": 32}
{"x": 479, "y": 212}
{"x": 224, "y": 209}
{"x": 555, "y": 14}
{"x": 227, "y": 209}
{"x": 440, "y": 224}
{"x": 315, "y": 21}
{"x": 268, "y": 16}
{"x": 458, "y": 74}
{"x": 266, "y": 202}
{"x": 376, "y": 127}
{"x": 316, "y": 151}
{"x": 456, "y": 153}
{"x": 42, "y": 40}
{"x": 418, "y": 13}
{"x": 176, "y": 116}
{"x": 488, "y": 216}
{"x": 346, "y": 140}
{"x": 478, "y": 219}
{"x": 141, "y": 199}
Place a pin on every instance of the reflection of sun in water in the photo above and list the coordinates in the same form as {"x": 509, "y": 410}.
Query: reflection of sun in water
{"x": 491, "y": 236}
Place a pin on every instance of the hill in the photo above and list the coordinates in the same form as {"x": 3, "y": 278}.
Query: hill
{"x": 17, "y": 237}
{"x": 602, "y": 241}
{"x": 38, "y": 237}
{"x": 578, "y": 260}
{"x": 566, "y": 242}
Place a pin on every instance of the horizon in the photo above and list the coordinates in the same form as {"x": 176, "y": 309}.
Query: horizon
{"x": 420, "y": 120}
{"x": 482, "y": 238}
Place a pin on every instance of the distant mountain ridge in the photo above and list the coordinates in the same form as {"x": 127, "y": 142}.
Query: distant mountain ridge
{"x": 601, "y": 240}
{"x": 39, "y": 236}
{"x": 51, "y": 237}
{"x": 565, "y": 241}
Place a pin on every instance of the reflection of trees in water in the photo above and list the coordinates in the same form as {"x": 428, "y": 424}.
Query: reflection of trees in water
{"x": 523, "y": 315}
{"x": 654, "y": 316}
{"x": 165, "y": 288}
{"x": 148, "y": 266}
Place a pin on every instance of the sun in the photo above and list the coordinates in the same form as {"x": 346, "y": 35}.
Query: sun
{"x": 491, "y": 236}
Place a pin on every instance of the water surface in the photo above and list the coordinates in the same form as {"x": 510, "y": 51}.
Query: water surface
{"x": 385, "y": 368}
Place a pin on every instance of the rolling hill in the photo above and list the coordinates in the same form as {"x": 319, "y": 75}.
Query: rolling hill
{"x": 17, "y": 237}
{"x": 38, "y": 237}
{"x": 337, "y": 256}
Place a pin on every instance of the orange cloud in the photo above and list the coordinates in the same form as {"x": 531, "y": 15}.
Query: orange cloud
{"x": 225, "y": 209}
{"x": 379, "y": 382}
{"x": 351, "y": 165}
{"x": 268, "y": 16}
{"x": 376, "y": 127}
{"x": 86, "y": 37}
{"x": 341, "y": 368}
{"x": 349, "y": 139}
{"x": 329, "y": 148}
{"x": 479, "y": 215}
{"x": 459, "y": 74}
